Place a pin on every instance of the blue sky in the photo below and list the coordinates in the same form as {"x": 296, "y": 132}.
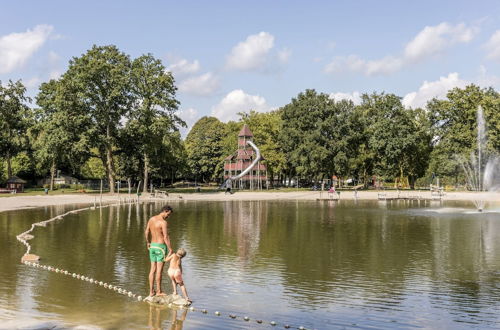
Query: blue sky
{"x": 233, "y": 56}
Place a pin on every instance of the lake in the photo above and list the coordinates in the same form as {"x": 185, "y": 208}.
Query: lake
{"x": 319, "y": 265}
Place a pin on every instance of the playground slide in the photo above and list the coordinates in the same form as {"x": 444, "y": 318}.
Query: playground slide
{"x": 248, "y": 169}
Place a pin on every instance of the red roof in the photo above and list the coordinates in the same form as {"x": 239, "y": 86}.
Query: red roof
{"x": 245, "y": 131}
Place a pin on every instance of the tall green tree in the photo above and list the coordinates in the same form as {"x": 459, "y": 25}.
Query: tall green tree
{"x": 58, "y": 134}
{"x": 101, "y": 78}
{"x": 394, "y": 137}
{"x": 153, "y": 117}
{"x": 204, "y": 148}
{"x": 302, "y": 134}
{"x": 15, "y": 117}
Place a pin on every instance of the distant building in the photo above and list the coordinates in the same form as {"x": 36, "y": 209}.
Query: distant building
{"x": 59, "y": 179}
{"x": 16, "y": 184}
{"x": 241, "y": 159}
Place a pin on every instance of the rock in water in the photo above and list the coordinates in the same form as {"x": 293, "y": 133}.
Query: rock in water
{"x": 30, "y": 257}
{"x": 173, "y": 299}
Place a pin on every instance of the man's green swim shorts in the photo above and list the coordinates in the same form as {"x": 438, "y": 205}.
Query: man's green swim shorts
{"x": 157, "y": 252}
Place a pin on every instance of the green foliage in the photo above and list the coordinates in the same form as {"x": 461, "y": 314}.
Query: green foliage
{"x": 204, "y": 148}
{"x": 152, "y": 123}
{"x": 15, "y": 117}
{"x": 397, "y": 136}
{"x": 301, "y": 135}
{"x": 101, "y": 84}
{"x": 454, "y": 127}
{"x": 93, "y": 168}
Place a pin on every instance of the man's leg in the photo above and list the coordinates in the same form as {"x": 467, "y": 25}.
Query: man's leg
{"x": 152, "y": 278}
{"x": 159, "y": 273}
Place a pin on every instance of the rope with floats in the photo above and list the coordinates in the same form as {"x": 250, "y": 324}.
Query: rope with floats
{"x": 26, "y": 236}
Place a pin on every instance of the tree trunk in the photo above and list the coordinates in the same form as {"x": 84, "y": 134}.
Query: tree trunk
{"x": 109, "y": 161}
{"x": 9, "y": 165}
{"x": 146, "y": 173}
{"x": 52, "y": 174}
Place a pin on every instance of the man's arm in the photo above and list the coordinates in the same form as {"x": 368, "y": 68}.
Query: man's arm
{"x": 146, "y": 233}
{"x": 166, "y": 237}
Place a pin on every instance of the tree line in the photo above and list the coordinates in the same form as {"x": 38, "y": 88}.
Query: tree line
{"x": 114, "y": 117}
{"x": 315, "y": 137}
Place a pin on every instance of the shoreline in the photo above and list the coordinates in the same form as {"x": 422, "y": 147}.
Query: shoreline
{"x": 24, "y": 202}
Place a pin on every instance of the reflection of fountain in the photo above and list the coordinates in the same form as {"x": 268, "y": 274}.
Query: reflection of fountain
{"x": 481, "y": 170}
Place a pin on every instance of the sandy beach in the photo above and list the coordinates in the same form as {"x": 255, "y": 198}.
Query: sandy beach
{"x": 17, "y": 202}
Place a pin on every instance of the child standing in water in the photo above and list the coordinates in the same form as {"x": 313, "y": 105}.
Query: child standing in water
{"x": 175, "y": 271}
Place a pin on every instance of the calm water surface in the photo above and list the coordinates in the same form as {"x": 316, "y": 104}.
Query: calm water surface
{"x": 314, "y": 264}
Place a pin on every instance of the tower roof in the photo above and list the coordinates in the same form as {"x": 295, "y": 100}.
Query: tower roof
{"x": 245, "y": 131}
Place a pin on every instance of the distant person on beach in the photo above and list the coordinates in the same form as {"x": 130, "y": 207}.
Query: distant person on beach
{"x": 229, "y": 185}
{"x": 158, "y": 241}
{"x": 175, "y": 271}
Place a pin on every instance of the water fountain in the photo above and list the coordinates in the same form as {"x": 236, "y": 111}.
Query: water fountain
{"x": 482, "y": 169}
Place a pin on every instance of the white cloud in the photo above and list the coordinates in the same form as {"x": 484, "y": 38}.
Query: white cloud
{"x": 203, "y": 85}
{"x": 183, "y": 67}
{"x": 486, "y": 79}
{"x": 355, "y": 97}
{"x": 493, "y": 46}
{"x": 190, "y": 116}
{"x": 433, "y": 89}
{"x": 238, "y": 101}
{"x": 251, "y": 54}
{"x": 284, "y": 55}
{"x": 17, "y": 48}
{"x": 431, "y": 41}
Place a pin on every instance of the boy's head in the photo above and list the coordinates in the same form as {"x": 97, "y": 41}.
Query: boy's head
{"x": 181, "y": 253}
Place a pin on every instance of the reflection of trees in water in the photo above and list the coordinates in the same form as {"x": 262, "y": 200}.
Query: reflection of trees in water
{"x": 465, "y": 265}
{"x": 366, "y": 254}
{"x": 243, "y": 220}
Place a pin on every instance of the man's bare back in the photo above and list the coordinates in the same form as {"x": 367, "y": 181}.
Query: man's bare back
{"x": 158, "y": 229}
{"x": 158, "y": 241}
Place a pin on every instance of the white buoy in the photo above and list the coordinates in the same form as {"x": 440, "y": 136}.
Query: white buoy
{"x": 273, "y": 323}
{"x": 217, "y": 313}
{"x": 246, "y": 318}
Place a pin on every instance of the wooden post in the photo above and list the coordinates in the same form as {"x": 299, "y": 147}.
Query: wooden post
{"x": 101, "y": 193}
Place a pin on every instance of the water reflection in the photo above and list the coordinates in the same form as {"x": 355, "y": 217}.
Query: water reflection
{"x": 317, "y": 264}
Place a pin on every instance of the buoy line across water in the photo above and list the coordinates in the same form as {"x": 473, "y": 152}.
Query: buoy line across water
{"x": 34, "y": 262}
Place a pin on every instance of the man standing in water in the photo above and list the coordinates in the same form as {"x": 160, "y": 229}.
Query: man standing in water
{"x": 157, "y": 246}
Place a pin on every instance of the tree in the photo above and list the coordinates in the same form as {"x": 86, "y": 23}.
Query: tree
{"x": 394, "y": 137}
{"x": 454, "y": 127}
{"x": 204, "y": 148}
{"x": 302, "y": 134}
{"x": 58, "y": 137}
{"x": 14, "y": 121}
{"x": 153, "y": 115}
{"x": 101, "y": 78}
